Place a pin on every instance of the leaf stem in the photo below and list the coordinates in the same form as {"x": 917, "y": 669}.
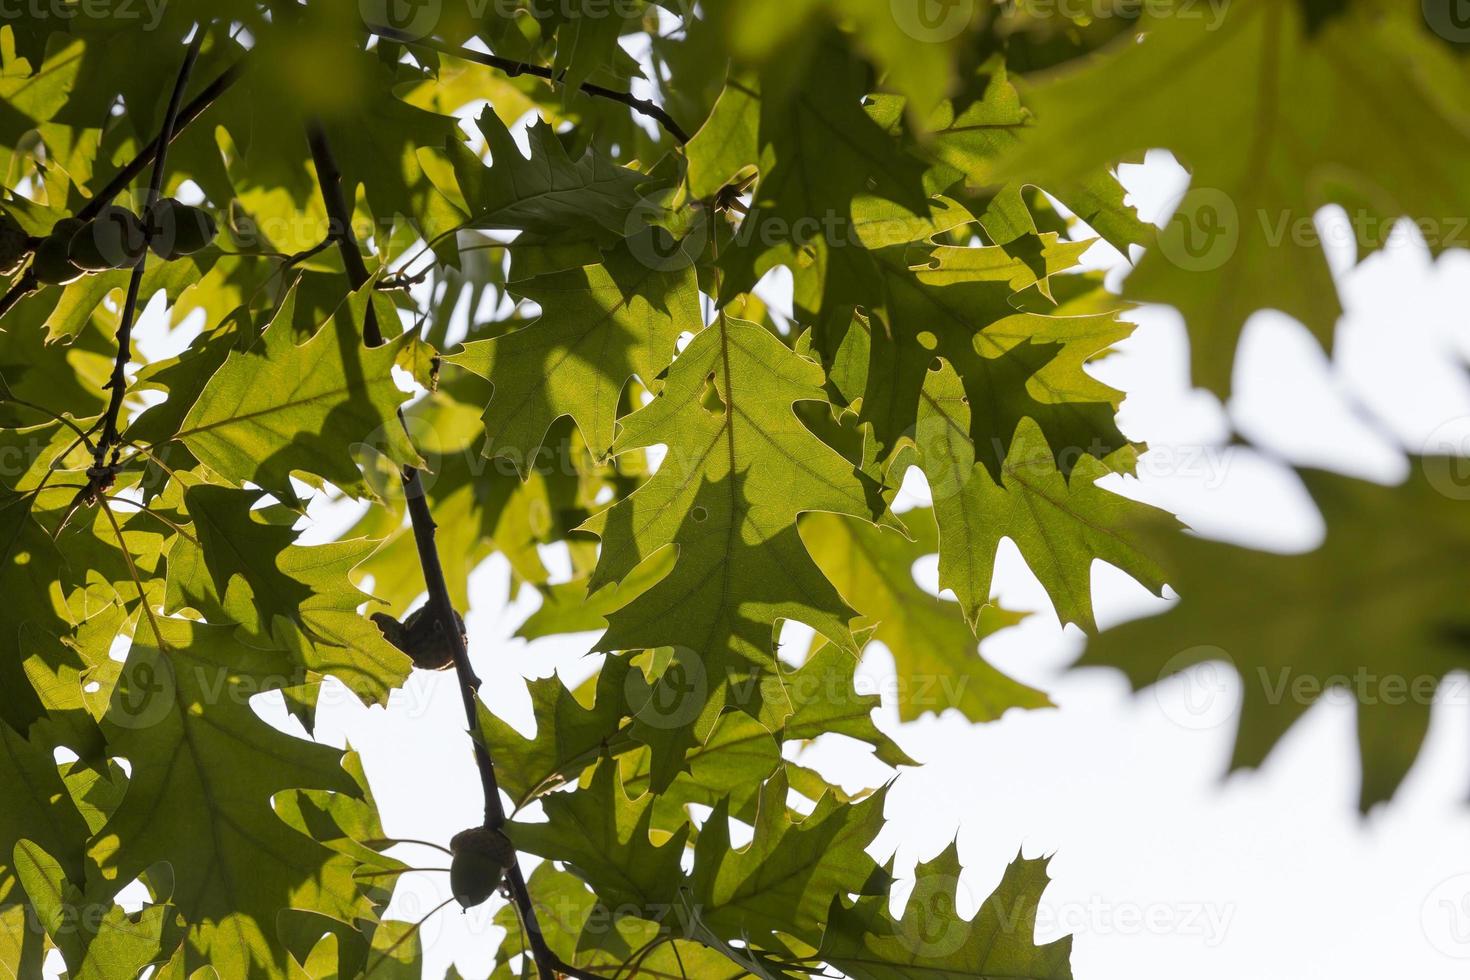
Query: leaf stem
{"x": 145, "y": 509}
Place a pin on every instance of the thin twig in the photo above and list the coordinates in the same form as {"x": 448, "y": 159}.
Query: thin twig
{"x": 377, "y": 842}
{"x": 186, "y": 115}
{"x": 122, "y": 545}
{"x": 513, "y": 68}
{"x": 289, "y": 260}
{"x": 633, "y": 962}
{"x": 389, "y": 872}
{"x": 9, "y": 399}
{"x": 144, "y": 508}
{"x": 440, "y": 606}
{"x": 407, "y": 935}
{"x": 28, "y": 283}
{"x": 119, "y": 380}
{"x": 152, "y": 457}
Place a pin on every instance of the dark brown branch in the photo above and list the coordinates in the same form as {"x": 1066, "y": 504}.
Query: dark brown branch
{"x": 28, "y": 283}
{"x": 101, "y": 474}
{"x": 441, "y": 607}
{"x": 513, "y": 68}
{"x": 186, "y": 115}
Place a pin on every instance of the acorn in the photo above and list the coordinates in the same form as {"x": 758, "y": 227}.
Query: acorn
{"x": 176, "y": 229}
{"x": 52, "y": 265}
{"x": 15, "y": 245}
{"x": 420, "y": 637}
{"x": 112, "y": 240}
{"x": 481, "y": 858}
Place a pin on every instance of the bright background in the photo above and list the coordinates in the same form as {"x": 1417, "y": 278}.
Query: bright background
{"x": 1162, "y": 868}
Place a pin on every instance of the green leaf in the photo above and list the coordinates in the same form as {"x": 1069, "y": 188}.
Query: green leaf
{"x": 566, "y": 607}
{"x": 826, "y": 701}
{"x": 204, "y": 770}
{"x": 785, "y": 879}
{"x": 1312, "y": 119}
{"x": 960, "y": 305}
{"x": 38, "y": 813}
{"x": 481, "y": 506}
{"x": 98, "y": 946}
{"x": 549, "y": 194}
{"x": 30, "y": 564}
{"x": 740, "y": 469}
{"x": 738, "y": 756}
{"x": 729, "y": 140}
{"x": 586, "y": 933}
{"x": 1375, "y": 612}
{"x": 931, "y": 941}
{"x": 802, "y": 206}
{"x": 1060, "y": 524}
{"x": 569, "y": 737}
{"x": 931, "y": 642}
{"x": 242, "y": 567}
{"x": 276, "y": 408}
{"x": 971, "y": 134}
{"x": 604, "y": 837}
{"x": 915, "y": 46}
{"x": 601, "y": 326}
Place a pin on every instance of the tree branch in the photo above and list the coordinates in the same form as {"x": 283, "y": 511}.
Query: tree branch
{"x": 101, "y": 473}
{"x": 28, "y": 283}
{"x": 24, "y": 286}
{"x": 514, "y": 68}
{"x": 186, "y": 115}
{"x": 441, "y": 607}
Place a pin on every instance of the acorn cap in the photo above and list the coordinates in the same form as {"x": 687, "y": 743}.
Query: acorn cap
{"x": 426, "y": 643}
{"x": 481, "y": 857}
